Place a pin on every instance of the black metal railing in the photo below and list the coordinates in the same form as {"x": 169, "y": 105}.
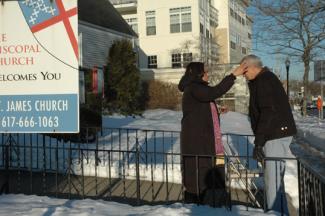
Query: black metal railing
{"x": 134, "y": 166}
{"x": 78, "y": 172}
{"x": 311, "y": 190}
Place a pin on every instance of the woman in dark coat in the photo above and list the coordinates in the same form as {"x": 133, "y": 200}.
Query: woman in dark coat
{"x": 199, "y": 131}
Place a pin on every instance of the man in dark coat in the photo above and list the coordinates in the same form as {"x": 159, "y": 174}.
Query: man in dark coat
{"x": 197, "y": 134}
{"x": 272, "y": 123}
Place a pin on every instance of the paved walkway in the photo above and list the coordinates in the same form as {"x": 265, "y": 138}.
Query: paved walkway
{"x": 120, "y": 190}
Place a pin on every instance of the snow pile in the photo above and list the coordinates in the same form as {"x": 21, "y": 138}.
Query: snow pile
{"x": 36, "y": 205}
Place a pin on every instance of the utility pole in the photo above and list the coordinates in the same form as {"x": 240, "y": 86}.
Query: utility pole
{"x": 287, "y": 64}
{"x": 277, "y": 64}
{"x": 321, "y": 88}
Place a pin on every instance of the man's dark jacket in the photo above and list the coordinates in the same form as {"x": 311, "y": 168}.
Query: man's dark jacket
{"x": 269, "y": 109}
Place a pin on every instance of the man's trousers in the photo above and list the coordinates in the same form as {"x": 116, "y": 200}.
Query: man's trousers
{"x": 274, "y": 173}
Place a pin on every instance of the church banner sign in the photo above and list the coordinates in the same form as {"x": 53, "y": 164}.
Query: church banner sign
{"x": 39, "y": 76}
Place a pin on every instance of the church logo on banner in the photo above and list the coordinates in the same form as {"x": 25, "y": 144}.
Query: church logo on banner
{"x": 46, "y": 18}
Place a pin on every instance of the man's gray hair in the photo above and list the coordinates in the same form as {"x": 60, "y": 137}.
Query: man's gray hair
{"x": 252, "y": 60}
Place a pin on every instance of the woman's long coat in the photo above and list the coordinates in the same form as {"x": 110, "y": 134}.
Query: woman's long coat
{"x": 197, "y": 133}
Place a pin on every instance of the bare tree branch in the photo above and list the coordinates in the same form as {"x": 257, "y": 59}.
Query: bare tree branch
{"x": 294, "y": 27}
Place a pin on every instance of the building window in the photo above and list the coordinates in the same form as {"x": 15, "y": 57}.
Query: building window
{"x": 186, "y": 22}
{"x": 201, "y": 28}
{"x": 176, "y": 60}
{"x": 152, "y": 61}
{"x": 232, "y": 45}
{"x": 249, "y": 36}
{"x": 238, "y": 39}
{"x": 151, "y": 22}
{"x": 233, "y": 39}
{"x": 232, "y": 12}
{"x": 237, "y": 12}
{"x": 180, "y": 20}
{"x": 175, "y": 26}
{"x": 207, "y": 33}
{"x": 244, "y": 50}
{"x": 243, "y": 21}
{"x": 187, "y": 58}
{"x": 133, "y": 22}
{"x": 238, "y": 18}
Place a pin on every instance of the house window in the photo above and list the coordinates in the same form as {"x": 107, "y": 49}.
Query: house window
{"x": 207, "y": 33}
{"x": 133, "y": 22}
{"x": 249, "y": 35}
{"x": 176, "y": 60}
{"x": 180, "y": 20}
{"x": 187, "y": 58}
{"x": 151, "y": 22}
{"x": 152, "y": 61}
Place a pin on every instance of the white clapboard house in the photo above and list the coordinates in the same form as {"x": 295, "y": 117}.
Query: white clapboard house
{"x": 99, "y": 26}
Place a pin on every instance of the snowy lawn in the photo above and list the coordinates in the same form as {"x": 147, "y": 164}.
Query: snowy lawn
{"x": 312, "y": 129}
{"x": 36, "y": 205}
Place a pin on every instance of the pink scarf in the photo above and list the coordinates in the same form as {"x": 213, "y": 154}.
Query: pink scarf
{"x": 216, "y": 128}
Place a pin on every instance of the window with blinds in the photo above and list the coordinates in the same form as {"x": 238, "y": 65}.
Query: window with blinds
{"x": 180, "y": 20}
{"x": 151, "y": 22}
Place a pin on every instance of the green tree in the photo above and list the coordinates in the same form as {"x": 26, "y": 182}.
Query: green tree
{"x": 123, "y": 89}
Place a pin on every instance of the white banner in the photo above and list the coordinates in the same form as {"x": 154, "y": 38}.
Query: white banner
{"x": 39, "y": 74}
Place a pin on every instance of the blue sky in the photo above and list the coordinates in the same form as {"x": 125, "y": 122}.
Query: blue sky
{"x": 273, "y": 61}
{"x": 270, "y": 60}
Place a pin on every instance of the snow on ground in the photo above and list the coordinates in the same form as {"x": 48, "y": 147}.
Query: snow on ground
{"x": 37, "y": 205}
{"x": 311, "y": 129}
{"x": 162, "y": 119}
{"x": 159, "y": 119}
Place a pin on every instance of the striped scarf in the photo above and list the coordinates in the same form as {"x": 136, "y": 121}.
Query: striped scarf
{"x": 216, "y": 128}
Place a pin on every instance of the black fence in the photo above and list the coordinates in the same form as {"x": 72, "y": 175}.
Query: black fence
{"x": 137, "y": 167}
{"x": 311, "y": 191}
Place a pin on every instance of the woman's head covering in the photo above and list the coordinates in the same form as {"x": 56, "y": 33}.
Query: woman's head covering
{"x": 194, "y": 72}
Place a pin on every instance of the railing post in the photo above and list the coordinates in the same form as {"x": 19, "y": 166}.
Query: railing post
{"x": 138, "y": 170}
{"x": 264, "y": 191}
{"x": 7, "y": 155}
{"x": 5, "y": 186}
{"x": 299, "y": 186}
